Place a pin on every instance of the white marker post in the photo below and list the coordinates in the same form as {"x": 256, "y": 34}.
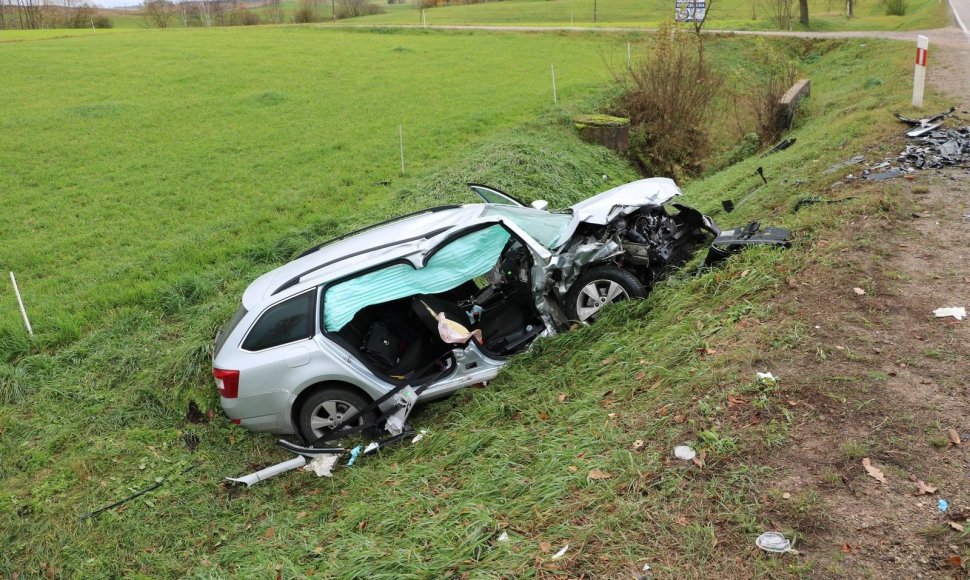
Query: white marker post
{"x": 629, "y": 56}
{"x": 400, "y": 134}
{"x": 919, "y": 76}
{"x": 555, "y": 98}
{"x": 20, "y": 301}
{"x": 424, "y": 20}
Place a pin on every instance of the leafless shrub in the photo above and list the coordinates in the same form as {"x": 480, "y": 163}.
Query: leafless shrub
{"x": 758, "y": 89}
{"x": 355, "y": 8}
{"x": 157, "y": 13}
{"x": 306, "y": 12}
{"x": 781, "y": 11}
{"x": 668, "y": 99}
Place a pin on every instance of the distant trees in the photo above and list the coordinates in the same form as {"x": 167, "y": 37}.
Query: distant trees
{"x": 31, "y": 14}
{"x": 354, "y": 8}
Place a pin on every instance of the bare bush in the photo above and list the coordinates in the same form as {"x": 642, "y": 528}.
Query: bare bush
{"x": 274, "y": 12}
{"x": 668, "y": 100}
{"x": 781, "y": 11}
{"x": 355, "y": 8}
{"x": 760, "y": 87}
{"x": 306, "y": 12}
{"x": 157, "y": 13}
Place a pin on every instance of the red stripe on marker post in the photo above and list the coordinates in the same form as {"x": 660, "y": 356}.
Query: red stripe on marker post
{"x": 921, "y": 55}
{"x": 919, "y": 75}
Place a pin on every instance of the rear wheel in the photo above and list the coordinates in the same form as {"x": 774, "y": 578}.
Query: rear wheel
{"x": 599, "y": 287}
{"x": 328, "y": 409}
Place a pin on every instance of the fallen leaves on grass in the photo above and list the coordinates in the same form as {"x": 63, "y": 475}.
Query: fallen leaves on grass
{"x": 955, "y": 561}
{"x": 638, "y": 445}
{"x": 270, "y": 534}
{"x": 846, "y": 548}
{"x": 873, "y": 471}
{"x": 545, "y": 547}
{"x": 699, "y": 459}
{"x": 734, "y": 401}
{"x": 598, "y": 474}
{"x": 561, "y": 397}
{"x": 956, "y": 526}
{"x": 953, "y": 436}
{"x": 640, "y": 375}
{"x": 859, "y": 291}
{"x": 923, "y": 488}
{"x": 543, "y": 416}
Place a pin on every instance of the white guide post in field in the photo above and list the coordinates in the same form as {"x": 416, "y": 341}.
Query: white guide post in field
{"x": 919, "y": 76}
{"x": 400, "y": 134}
{"x": 629, "y": 56}
{"x": 20, "y": 301}
{"x": 555, "y": 98}
{"x": 424, "y": 19}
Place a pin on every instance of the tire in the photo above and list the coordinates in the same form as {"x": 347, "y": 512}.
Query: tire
{"x": 599, "y": 287}
{"x": 326, "y": 405}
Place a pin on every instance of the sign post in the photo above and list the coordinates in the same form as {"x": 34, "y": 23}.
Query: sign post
{"x": 919, "y": 76}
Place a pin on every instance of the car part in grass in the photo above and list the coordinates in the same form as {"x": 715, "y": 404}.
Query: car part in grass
{"x": 148, "y": 489}
{"x": 734, "y": 240}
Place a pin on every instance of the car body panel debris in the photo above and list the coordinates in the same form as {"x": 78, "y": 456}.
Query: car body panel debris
{"x": 927, "y": 121}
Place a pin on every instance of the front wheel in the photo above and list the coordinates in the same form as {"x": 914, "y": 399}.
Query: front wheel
{"x": 599, "y": 287}
{"x": 327, "y": 409}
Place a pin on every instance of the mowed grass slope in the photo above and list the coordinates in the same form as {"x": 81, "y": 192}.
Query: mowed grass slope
{"x": 131, "y": 159}
{"x": 170, "y": 199}
{"x": 725, "y": 14}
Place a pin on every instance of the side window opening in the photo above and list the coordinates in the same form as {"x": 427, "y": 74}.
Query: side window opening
{"x": 285, "y": 322}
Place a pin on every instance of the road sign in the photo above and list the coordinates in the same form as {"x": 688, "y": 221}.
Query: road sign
{"x": 690, "y": 10}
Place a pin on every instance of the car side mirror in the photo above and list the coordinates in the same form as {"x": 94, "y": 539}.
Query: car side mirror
{"x": 540, "y": 204}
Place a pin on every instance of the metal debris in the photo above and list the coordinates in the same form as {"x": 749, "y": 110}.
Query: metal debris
{"x": 924, "y": 122}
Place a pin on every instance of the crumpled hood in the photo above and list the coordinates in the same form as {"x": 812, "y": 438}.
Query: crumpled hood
{"x": 602, "y": 208}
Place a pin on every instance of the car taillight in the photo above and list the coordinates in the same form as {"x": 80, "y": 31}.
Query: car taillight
{"x": 227, "y": 382}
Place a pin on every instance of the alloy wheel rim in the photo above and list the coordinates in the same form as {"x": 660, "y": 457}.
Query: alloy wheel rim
{"x": 330, "y": 414}
{"x": 597, "y": 294}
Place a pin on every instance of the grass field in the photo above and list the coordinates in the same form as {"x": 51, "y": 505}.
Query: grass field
{"x": 149, "y": 177}
{"x": 725, "y": 14}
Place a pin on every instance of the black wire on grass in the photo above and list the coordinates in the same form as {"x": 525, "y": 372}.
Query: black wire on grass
{"x": 157, "y": 485}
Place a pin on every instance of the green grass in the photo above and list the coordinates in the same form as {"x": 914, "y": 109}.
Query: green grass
{"x": 156, "y": 174}
{"x": 726, "y": 14}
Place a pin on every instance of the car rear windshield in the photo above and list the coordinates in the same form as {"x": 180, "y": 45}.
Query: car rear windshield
{"x": 544, "y": 227}
{"x": 229, "y": 327}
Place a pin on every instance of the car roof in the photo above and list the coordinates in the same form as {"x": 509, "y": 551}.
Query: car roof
{"x": 396, "y": 239}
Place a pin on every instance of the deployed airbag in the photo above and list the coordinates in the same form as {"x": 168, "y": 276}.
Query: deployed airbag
{"x": 459, "y": 261}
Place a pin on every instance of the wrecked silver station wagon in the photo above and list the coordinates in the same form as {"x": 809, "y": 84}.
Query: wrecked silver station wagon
{"x": 356, "y": 330}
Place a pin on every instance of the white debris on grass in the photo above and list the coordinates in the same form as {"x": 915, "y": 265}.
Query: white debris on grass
{"x": 684, "y": 452}
{"x": 419, "y": 436}
{"x": 560, "y": 553}
{"x": 774, "y": 542}
{"x": 503, "y": 537}
{"x": 958, "y": 312}
{"x": 766, "y": 378}
{"x": 322, "y": 465}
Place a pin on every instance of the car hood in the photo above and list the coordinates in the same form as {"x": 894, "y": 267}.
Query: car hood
{"x": 602, "y": 208}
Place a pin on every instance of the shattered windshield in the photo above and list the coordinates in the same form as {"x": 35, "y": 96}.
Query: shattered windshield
{"x": 545, "y": 227}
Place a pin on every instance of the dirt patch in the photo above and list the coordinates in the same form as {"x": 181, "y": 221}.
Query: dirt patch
{"x": 880, "y": 377}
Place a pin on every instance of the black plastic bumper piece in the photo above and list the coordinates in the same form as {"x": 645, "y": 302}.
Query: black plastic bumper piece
{"x": 735, "y": 239}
